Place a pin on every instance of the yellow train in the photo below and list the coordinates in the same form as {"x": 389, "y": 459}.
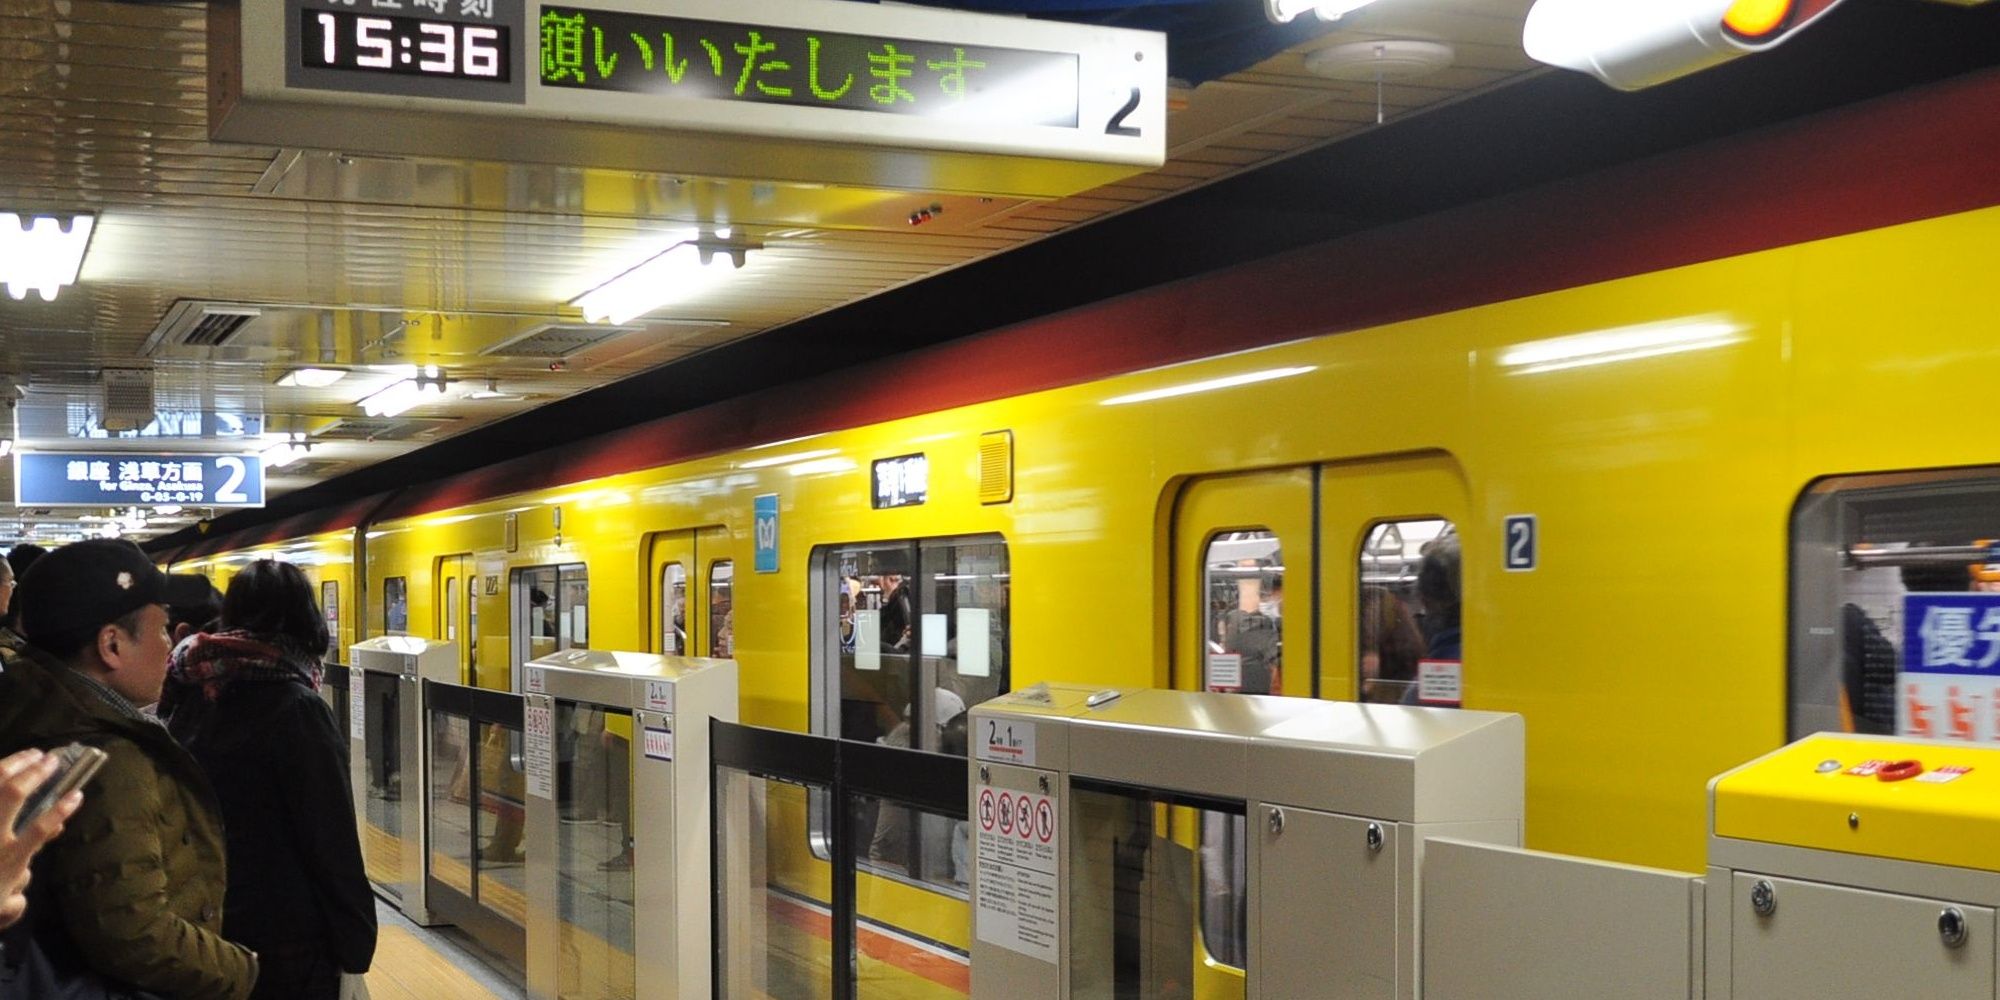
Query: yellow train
{"x": 1685, "y": 421}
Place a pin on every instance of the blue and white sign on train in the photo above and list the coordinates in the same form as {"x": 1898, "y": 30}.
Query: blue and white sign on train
{"x": 112, "y": 479}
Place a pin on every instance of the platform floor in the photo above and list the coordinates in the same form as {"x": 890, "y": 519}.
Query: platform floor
{"x": 416, "y": 963}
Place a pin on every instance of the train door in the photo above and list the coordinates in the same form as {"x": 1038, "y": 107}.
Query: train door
{"x": 457, "y": 590}
{"x": 690, "y": 611}
{"x": 1234, "y": 539}
{"x": 1379, "y": 520}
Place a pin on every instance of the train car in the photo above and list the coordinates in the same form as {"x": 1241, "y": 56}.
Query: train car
{"x": 1657, "y": 462}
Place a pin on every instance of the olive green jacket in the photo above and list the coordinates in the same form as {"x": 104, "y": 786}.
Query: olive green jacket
{"x": 138, "y": 874}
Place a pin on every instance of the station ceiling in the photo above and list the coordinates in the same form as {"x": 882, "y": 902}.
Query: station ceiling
{"x": 370, "y": 264}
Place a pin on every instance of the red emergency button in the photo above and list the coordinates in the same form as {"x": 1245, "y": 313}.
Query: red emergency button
{"x": 1900, "y": 770}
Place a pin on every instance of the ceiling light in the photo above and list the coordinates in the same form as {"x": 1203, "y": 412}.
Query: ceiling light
{"x": 42, "y": 254}
{"x": 285, "y": 453}
{"x": 1206, "y": 385}
{"x": 1282, "y": 11}
{"x": 679, "y": 272}
{"x": 403, "y": 394}
{"x": 1632, "y": 44}
{"x": 312, "y": 378}
{"x": 6, "y": 447}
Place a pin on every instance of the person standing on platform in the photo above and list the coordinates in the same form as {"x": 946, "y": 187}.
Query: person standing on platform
{"x": 131, "y": 898}
{"x": 11, "y": 643}
{"x": 244, "y": 701}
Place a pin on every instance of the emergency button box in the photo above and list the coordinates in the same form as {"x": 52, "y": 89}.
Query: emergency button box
{"x": 1855, "y": 866}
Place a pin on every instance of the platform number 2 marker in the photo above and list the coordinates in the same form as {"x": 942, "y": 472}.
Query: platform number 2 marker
{"x": 1523, "y": 543}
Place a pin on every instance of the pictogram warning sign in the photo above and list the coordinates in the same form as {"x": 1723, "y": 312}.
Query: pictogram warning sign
{"x": 1016, "y": 870}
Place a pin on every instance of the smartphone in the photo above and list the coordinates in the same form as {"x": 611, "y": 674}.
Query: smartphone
{"x": 77, "y": 765}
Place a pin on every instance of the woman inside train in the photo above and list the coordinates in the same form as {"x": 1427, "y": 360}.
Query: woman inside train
{"x": 1390, "y": 646}
{"x": 244, "y": 701}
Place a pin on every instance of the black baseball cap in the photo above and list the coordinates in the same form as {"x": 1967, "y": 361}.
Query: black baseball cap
{"x": 67, "y": 595}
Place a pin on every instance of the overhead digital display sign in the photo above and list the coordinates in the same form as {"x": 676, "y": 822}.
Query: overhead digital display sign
{"x": 818, "y": 92}
{"x": 127, "y": 479}
{"x": 406, "y": 45}
{"x": 684, "y": 59}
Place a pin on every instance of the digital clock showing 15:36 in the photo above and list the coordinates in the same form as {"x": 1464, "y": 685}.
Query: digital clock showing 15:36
{"x": 407, "y": 46}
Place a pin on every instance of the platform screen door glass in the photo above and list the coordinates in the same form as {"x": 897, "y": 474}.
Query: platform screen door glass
{"x": 1896, "y": 605}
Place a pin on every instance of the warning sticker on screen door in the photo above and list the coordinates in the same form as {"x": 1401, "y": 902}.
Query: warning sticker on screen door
{"x": 1017, "y": 834}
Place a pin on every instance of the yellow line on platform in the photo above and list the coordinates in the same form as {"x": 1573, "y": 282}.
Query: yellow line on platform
{"x": 406, "y": 969}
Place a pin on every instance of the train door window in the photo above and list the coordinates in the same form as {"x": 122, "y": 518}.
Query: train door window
{"x": 1243, "y": 585}
{"x": 551, "y": 612}
{"x": 1408, "y": 611}
{"x": 721, "y": 612}
{"x": 450, "y": 609}
{"x": 329, "y": 609}
{"x": 396, "y": 605}
{"x": 907, "y": 636}
{"x": 673, "y": 609}
{"x": 1896, "y": 605}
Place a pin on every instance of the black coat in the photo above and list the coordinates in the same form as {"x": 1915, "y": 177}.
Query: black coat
{"x": 278, "y": 762}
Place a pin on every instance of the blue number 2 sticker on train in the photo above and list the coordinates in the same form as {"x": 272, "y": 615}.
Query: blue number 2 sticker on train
{"x": 1521, "y": 543}
{"x": 764, "y": 521}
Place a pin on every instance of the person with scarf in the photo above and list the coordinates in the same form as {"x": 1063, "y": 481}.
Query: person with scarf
{"x": 244, "y": 701}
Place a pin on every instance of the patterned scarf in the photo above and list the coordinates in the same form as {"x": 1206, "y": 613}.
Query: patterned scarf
{"x": 211, "y": 662}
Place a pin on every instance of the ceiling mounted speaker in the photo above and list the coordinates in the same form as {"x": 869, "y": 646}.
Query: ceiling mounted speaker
{"x": 1389, "y": 59}
{"x": 128, "y": 399}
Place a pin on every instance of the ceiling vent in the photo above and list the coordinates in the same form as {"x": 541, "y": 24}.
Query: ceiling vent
{"x": 200, "y": 323}
{"x": 128, "y": 399}
{"x": 553, "y": 341}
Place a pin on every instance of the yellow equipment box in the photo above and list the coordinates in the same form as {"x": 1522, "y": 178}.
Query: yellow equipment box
{"x": 1909, "y": 800}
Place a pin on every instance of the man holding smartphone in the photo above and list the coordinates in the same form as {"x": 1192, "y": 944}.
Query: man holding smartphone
{"x": 131, "y": 898}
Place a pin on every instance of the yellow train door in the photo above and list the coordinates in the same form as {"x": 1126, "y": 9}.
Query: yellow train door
{"x": 1379, "y": 520}
{"x": 1234, "y": 537}
{"x": 457, "y": 590}
{"x": 1243, "y": 549}
{"x": 691, "y": 590}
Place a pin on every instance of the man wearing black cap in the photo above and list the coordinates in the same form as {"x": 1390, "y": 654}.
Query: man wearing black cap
{"x": 132, "y": 897}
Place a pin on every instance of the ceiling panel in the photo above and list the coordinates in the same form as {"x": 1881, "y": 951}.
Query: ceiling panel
{"x": 375, "y": 264}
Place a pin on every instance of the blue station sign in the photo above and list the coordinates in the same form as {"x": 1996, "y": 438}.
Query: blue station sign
{"x": 123, "y": 479}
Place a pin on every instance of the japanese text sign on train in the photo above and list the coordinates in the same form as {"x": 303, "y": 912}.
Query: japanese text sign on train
{"x": 1948, "y": 684}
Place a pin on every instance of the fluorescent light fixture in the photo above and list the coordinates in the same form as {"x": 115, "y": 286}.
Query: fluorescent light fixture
{"x": 1207, "y": 385}
{"x": 284, "y": 453}
{"x": 1631, "y": 44}
{"x": 797, "y": 456}
{"x": 312, "y": 378}
{"x": 41, "y": 254}
{"x": 6, "y": 447}
{"x": 677, "y": 273}
{"x": 402, "y": 394}
{"x": 1282, "y": 11}
{"x": 1630, "y": 343}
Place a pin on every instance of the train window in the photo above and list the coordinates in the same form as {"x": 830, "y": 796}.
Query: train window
{"x": 1243, "y": 578}
{"x": 329, "y": 608}
{"x": 1896, "y": 605}
{"x": 451, "y": 609}
{"x": 396, "y": 605}
{"x": 907, "y": 636}
{"x": 1409, "y": 607}
{"x": 551, "y": 612}
{"x": 721, "y": 609}
{"x": 673, "y": 609}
